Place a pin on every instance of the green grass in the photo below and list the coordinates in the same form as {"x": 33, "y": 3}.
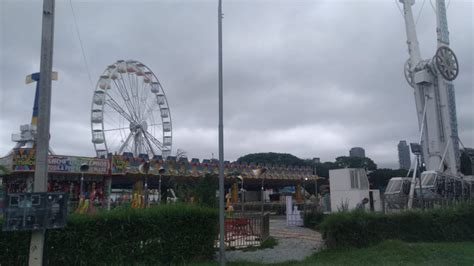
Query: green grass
{"x": 399, "y": 253}
{"x": 392, "y": 252}
{"x": 269, "y": 243}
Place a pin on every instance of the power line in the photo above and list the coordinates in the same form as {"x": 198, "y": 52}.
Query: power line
{"x": 399, "y": 8}
{"x": 432, "y": 6}
{"x": 419, "y": 13}
{"x": 82, "y": 46}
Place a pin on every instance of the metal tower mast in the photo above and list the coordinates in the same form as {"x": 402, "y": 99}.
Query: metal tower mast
{"x": 431, "y": 80}
{"x": 446, "y": 90}
{"x": 434, "y": 96}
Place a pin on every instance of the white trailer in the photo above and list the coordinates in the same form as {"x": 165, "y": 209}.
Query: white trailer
{"x": 349, "y": 187}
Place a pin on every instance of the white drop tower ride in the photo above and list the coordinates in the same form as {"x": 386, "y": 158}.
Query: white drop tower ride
{"x": 431, "y": 80}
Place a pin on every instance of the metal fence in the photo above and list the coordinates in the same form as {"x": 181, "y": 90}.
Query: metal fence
{"x": 246, "y": 230}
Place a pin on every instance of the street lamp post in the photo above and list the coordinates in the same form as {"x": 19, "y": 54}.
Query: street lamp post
{"x": 315, "y": 173}
{"x": 221, "y": 139}
{"x": 316, "y": 190}
{"x": 304, "y": 196}
{"x": 258, "y": 173}
{"x": 263, "y": 198}
{"x": 161, "y": 171}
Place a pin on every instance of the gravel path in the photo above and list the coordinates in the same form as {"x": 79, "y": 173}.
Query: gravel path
{"x": 294, "y": 243}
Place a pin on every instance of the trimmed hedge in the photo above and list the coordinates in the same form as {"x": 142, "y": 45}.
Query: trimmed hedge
{"x": 159, "y": 235}
{"x": 359, "y": 229}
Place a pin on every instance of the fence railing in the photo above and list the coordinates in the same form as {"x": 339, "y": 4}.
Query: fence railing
{"x": 246, "y": 230}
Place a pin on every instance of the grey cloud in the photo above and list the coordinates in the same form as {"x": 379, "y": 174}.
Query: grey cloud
{"x": 304, "y": 77}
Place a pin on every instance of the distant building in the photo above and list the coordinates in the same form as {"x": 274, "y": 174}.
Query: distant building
{"x": 357, "y": 152}
{"x": 404, "y": 155}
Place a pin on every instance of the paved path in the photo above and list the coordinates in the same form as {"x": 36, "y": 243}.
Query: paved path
{"x": 294, "y": 243}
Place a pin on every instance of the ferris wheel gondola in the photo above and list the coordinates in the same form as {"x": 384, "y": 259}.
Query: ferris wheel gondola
{"x": 130, "y": 112}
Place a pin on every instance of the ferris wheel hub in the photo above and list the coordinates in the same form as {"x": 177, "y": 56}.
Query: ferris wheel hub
{"x": 135, "y": 127}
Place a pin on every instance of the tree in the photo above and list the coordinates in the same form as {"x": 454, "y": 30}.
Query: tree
{"x": 355, "y": 162}
{"x": 206, "y": 191}
{"x": 272, "y": 158}
{"x": 380, "y": 177}
{"x": 184, "y": 189}
{"x": 466, "y": 163}
{"x": 4, "y": 169}
{"x": 322, "y": 169}
{"x": 180, "y": 154}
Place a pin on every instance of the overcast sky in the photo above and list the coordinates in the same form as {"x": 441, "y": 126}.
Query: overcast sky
{"x": 310, "y": 78}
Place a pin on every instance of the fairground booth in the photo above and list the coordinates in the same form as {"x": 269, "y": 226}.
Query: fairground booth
{"x": 119, "y": 179}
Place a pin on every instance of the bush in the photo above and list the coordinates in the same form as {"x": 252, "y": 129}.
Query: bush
{"x": 206, "y": 191}
{"x": 359, "y": 228}
{"x": 313, "y": 219}
{"x": 164, "y": 234}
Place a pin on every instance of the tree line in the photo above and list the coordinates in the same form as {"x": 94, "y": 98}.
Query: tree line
{"x": 378, "y": 178}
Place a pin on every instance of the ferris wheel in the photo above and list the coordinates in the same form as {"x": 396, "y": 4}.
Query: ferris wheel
{"x": 130, "y": 112}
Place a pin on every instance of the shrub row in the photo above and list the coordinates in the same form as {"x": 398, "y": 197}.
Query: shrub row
{"x": 359, "y": 229}
{"x": 159, "y": 235}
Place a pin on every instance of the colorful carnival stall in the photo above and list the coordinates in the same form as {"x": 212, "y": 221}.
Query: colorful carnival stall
{"x": 118, "y": 179}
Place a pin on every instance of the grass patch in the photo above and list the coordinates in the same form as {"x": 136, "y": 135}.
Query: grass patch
{"x": 395, "y": 252}
{"x": 391, "y": 252}
{"x": 271, "y": 242}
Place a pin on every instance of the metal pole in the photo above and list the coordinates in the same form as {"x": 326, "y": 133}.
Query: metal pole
{"x": 316, "y": 190}
{"x": 44, "y": 114}
{"x": 316, "y": 186}
{"x": 109, "y": 191}
{"x": 146, "y": 189}
{"x": 243, "y": 197}
{"x": 82, "y": 184}
{"x": 419, "y": 178}
{"x": 159, "y": 191}
{"x": 412, "y": 186}
{"x": 221, "y": 144}
{"x": 304, "y": 197}
{"x": 263, "y": 197}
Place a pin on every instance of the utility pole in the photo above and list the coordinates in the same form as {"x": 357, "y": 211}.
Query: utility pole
{"x": 44, "y": 114}
{"x": 221, "y": 144}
